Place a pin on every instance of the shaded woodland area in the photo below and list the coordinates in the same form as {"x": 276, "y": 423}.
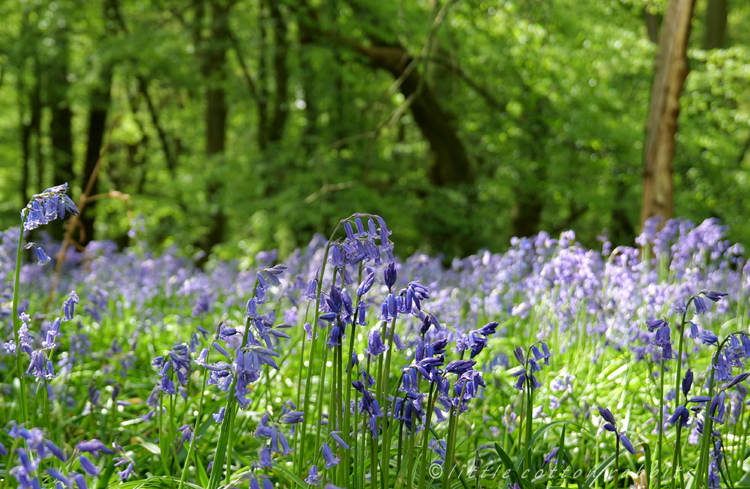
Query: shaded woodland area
{"x": 234, "y": 126}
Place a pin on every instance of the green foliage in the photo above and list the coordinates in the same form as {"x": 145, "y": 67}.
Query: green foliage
{"x": 549, "y": 100}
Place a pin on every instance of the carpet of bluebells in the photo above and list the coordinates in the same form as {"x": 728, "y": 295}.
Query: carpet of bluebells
{"x": 550, "y": 365}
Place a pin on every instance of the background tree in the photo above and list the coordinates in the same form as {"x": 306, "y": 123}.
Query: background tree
{"x": 252, "y": 124}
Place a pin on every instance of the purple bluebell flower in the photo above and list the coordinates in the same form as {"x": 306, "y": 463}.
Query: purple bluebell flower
{"x": 330, "y": 459}
{"x": 48, "y": 206}
{"x": 700, "y": 305}
{"x": 265, "y": 458}
{"x": 88, "y": 466}
{"x": 550, "y": 456}
{"x": 219, "y": 416}
{"x": 390, "y": 275}
{"x": 93, "y": 446}
{"x": 714, "y": 295}
{"x": 313, "y": 478}
{"x": 41, "y": 256}
{"x": 366, "y": 284}
{"x": 654, "y": 324}
{"x": 611, "y": 425}
{"x": 737, "y": 379}
{"x": 708, "y": 338}
{"x": 375, "y": 345}
{"x": 339, "y": 440}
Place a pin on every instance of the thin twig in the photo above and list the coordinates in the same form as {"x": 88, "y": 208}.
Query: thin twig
{"x": 82, "y": 201}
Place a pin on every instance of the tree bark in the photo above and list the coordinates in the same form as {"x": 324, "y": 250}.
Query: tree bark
{"x": 213, "y": 68}
{"x": 60, "y": 124}
{"x": 716, "y": 24}
{"x": 281, "y": 74}
{"x": 451, "y": 164}
{"x": 670, "y": 72}
{"x": 99, "y": 102}
{"x": 652, "y": 25}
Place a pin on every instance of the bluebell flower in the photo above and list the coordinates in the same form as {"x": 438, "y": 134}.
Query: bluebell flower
{"x": 93, "y": 446}
{"x": 339, "y": 440}
{"x": 611, "y": 425}
{"x": 366, "y": 284}
{"x": 390, "y": 275}
{"x": 48, "y": 206}
{"x": 717, "y": 409}
{"x": 330, "y": 459}
{"x": 313, "y": 478}
{"x": 714, "y": 295}
{"x": 654, "y": 324}
{"x": 700, "y": 305}
{"x": 459, "y": 367}
{"x": 88, "y": 466}
{"x": 279, "y": 443}
{"x": 439, "y": 447}
{"x": 708, "y": 338}
{"x": 219, "y": 416}
{"x": 41, "y": 256}
{"x": 265, "y": 458}
{"x": 550, "y": 456}
{"x": 375, "y": 345}
{"x": 737, "y": 379}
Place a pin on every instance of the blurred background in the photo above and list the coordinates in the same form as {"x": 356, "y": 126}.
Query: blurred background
{"x": 231, "y": 127}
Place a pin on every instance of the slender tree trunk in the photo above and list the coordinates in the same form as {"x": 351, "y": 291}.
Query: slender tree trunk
{"x": 526, "y": 214}
{"x": 214, "y": 72}
{"x": 262, "y": 76}
{"x": 670, "y": 72}
{"x": 306, "y": 17}
{"x": 281, "y": 74}
{"x": 60, "y": 124}
{"x": 652, "y": 25}
{"x": 36, "y": 123}
{"x": 99, "y": 101}
{"x": 716, "y": 24}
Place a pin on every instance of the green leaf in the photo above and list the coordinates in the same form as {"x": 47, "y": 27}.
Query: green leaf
{"x": 290, "y": 476}
{"x": 599, "y": 470}
{"x": 200, "y": 470}
{"x": 647, "y": 454}
{"x": 509, "y": 464}
{"x": 539, "y": 433}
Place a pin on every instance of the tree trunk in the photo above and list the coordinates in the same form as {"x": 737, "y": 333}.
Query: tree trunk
{"x": 281, "y": 74}
{"x": 99, "y": 101}
{"x": 36, "y": 124}
{"x": 652, "y": 25}
{"x": 670, "y": 72}
{"x": 60, "y": 125}
{"x": 99, "y": 105}
{"x": 307, "y": 16}
{"x": 451, "y": 163}
{"x": 716, "y": 24}
{"x": 214, "y": 71}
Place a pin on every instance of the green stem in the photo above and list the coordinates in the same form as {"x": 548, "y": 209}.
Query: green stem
{"x": 386, "y": 455}
{"x": 17, "y": 324}
{"x": 617, "y": 461}
{"x": 426, "y": 439}
{"x": 197, "y": 422}
{"x": 660, "y": 440}
{"x": 678, "y": 378}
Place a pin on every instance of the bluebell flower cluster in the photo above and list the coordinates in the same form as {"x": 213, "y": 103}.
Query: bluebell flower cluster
{"x": 611, "y": 426}
{"x": 48, "y": 206}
